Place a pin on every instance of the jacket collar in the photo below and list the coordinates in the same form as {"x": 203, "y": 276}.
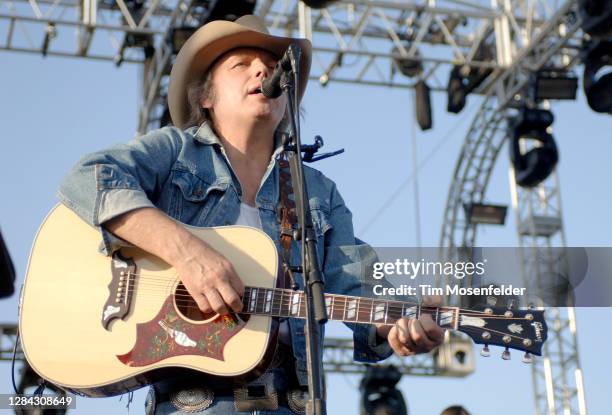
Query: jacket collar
{"x": 206, "y": 135}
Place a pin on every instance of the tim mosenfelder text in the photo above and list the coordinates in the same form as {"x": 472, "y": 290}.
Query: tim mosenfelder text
{"x": 426, "y": 289}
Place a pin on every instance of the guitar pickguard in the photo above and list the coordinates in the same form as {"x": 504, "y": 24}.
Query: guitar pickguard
{"x": 168, "y": 335}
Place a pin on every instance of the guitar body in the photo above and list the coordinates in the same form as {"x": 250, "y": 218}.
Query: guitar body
{"x": 101, "y": 326}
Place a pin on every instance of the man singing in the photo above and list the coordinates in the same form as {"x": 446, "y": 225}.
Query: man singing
{"x": 218, "y": 166}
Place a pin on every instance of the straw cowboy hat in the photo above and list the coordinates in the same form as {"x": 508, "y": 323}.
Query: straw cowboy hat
{"x": 214, "y": 39}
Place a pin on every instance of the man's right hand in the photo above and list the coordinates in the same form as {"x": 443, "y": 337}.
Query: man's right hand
{"x": 210, "y": 278}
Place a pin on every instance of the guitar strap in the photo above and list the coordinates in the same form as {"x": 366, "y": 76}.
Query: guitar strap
{"x": 288, "y": 220}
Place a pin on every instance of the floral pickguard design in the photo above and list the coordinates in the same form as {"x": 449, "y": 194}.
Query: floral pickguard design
{"x": 168, "y": 335}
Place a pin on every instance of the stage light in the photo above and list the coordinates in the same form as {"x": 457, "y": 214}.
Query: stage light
{"x": 553, "y": 84}
{"x": 229, "y": 10}
{"x": 178, "y": 37}
{"x": 318, "y": 4}
{"x": 464, "y": 79}
{"x": 455, "y": 91}
{"x": 596, "y": 17}
{"x": 203, "y": 13}
{"x": 50, "y": 34}
{"x": 536, "y": 164}
{"x": 409, "y": 67}
{"x": 485, "y": 214}
{"x": 596, "y": 82}
{"x": 7, "y": 271}
{"x": 422, "y": 106}
{"x": 379, "y": 395}
{"x": 455, "y": 410}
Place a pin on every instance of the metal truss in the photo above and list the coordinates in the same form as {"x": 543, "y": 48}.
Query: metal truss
{"x": 487, "y": 132}
{"x": 557, "y": 377}
{"x": 361, "y": 41}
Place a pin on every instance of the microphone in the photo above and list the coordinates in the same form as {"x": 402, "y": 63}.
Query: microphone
{"x": 271, "y": 87}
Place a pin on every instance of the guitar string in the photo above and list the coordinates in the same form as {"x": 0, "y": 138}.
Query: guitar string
{"x": 174, "y": 279}
{"x": 188, "y": 302}
{"x": 262, "y": 292}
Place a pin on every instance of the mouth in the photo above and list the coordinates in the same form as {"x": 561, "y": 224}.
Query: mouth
{"x": 256, "y": 90}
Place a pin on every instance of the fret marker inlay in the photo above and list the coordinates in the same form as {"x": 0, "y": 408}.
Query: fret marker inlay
{"x": 379, "y": 311}
{"x": 410, "y": 312}
{"x": 268, "y": 301}
{"x": 253, "y": 299}
{"x": 351, "y": 310}
{"x": 295, "y": 303}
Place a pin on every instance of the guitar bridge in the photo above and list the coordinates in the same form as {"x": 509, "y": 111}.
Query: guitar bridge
{"x": 120, "y": 289}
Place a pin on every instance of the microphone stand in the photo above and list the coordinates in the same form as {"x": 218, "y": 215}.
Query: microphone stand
{"x": 316, "y": 314}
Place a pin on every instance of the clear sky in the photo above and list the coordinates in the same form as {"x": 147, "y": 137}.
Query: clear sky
{"x": 54, "y": 110}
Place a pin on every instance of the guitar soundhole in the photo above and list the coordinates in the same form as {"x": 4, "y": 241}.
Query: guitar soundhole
{"x": 187, "y": 306}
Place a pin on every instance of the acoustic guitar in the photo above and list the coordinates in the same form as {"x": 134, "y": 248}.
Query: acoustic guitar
{"x": 100, "y": 326}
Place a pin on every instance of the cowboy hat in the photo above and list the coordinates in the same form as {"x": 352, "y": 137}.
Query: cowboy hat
{"x": 214, "y": 39}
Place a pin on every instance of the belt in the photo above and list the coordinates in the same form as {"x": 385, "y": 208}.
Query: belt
{"x": 277, "y": 386}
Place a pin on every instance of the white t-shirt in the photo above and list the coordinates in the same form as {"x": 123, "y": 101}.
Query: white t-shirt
{"x": 249, "y": 216}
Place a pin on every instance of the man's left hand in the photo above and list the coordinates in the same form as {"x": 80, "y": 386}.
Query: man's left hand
{"x": 408, "y": 337}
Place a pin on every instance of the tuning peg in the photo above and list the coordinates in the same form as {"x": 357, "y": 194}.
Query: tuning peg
{"x": 506, "y": 354}
{"x": 491, "y": 300}
{"x": 527, "y": 358}
{"x": 485, "y": 351}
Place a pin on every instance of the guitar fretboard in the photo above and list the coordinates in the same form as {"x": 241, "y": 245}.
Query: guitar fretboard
{"x": 288, "y": 303}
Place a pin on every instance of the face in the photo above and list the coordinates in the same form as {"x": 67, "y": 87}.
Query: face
{"x": 236, "y": 82}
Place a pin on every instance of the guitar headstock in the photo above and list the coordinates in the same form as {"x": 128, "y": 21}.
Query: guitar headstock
{"x": 524, "y": 330}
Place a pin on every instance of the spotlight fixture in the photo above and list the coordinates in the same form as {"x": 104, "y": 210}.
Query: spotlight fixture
{"x": 596, "y": 82}
{"x": 317, "y": 4}
{"x": 409, "y": 67}
{"x": 422, "y": 106}
{"x": 485, "y": 213}
{"x": 455, "y": 410}
{"x": 596, "y": 17}
{"x": 456, "y": 91}
{"x": 203, "y": 13}
{"x": 536, "y": 164}
{"x": 555, "y": 84}
{"x": 379, "y": 395}
{"x": 178, "y": 37}
{"x": 50, "y": 34}
{"x": 230, "y": 10}
{"x": 464, "y": 79}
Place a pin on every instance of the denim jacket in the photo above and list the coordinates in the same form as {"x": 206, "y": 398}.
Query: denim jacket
{"x": 187, "y": 175}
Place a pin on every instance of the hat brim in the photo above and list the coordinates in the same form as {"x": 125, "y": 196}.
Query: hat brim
{"x": 211, "y": 41}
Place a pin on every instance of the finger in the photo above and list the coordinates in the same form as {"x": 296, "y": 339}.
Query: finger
{"x": 202, "y": 303}
{"x": 433, "y": 332}
{"x": 230, "y": 296}
{"x": 403, "y": 332}
{"x": 216, "y": 301}
{"x": 418, "y": 336}
{"x": 396, "y": 344}
{"x": 236, "y": 282}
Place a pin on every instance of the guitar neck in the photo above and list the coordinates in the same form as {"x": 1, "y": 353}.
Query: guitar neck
{"x": 351, "y": 309}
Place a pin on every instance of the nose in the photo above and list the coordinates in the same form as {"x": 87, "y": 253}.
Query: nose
{"x": 262, "y": 70}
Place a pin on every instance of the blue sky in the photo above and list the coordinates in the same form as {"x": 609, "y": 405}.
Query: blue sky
{"x": 54, "y": 110}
